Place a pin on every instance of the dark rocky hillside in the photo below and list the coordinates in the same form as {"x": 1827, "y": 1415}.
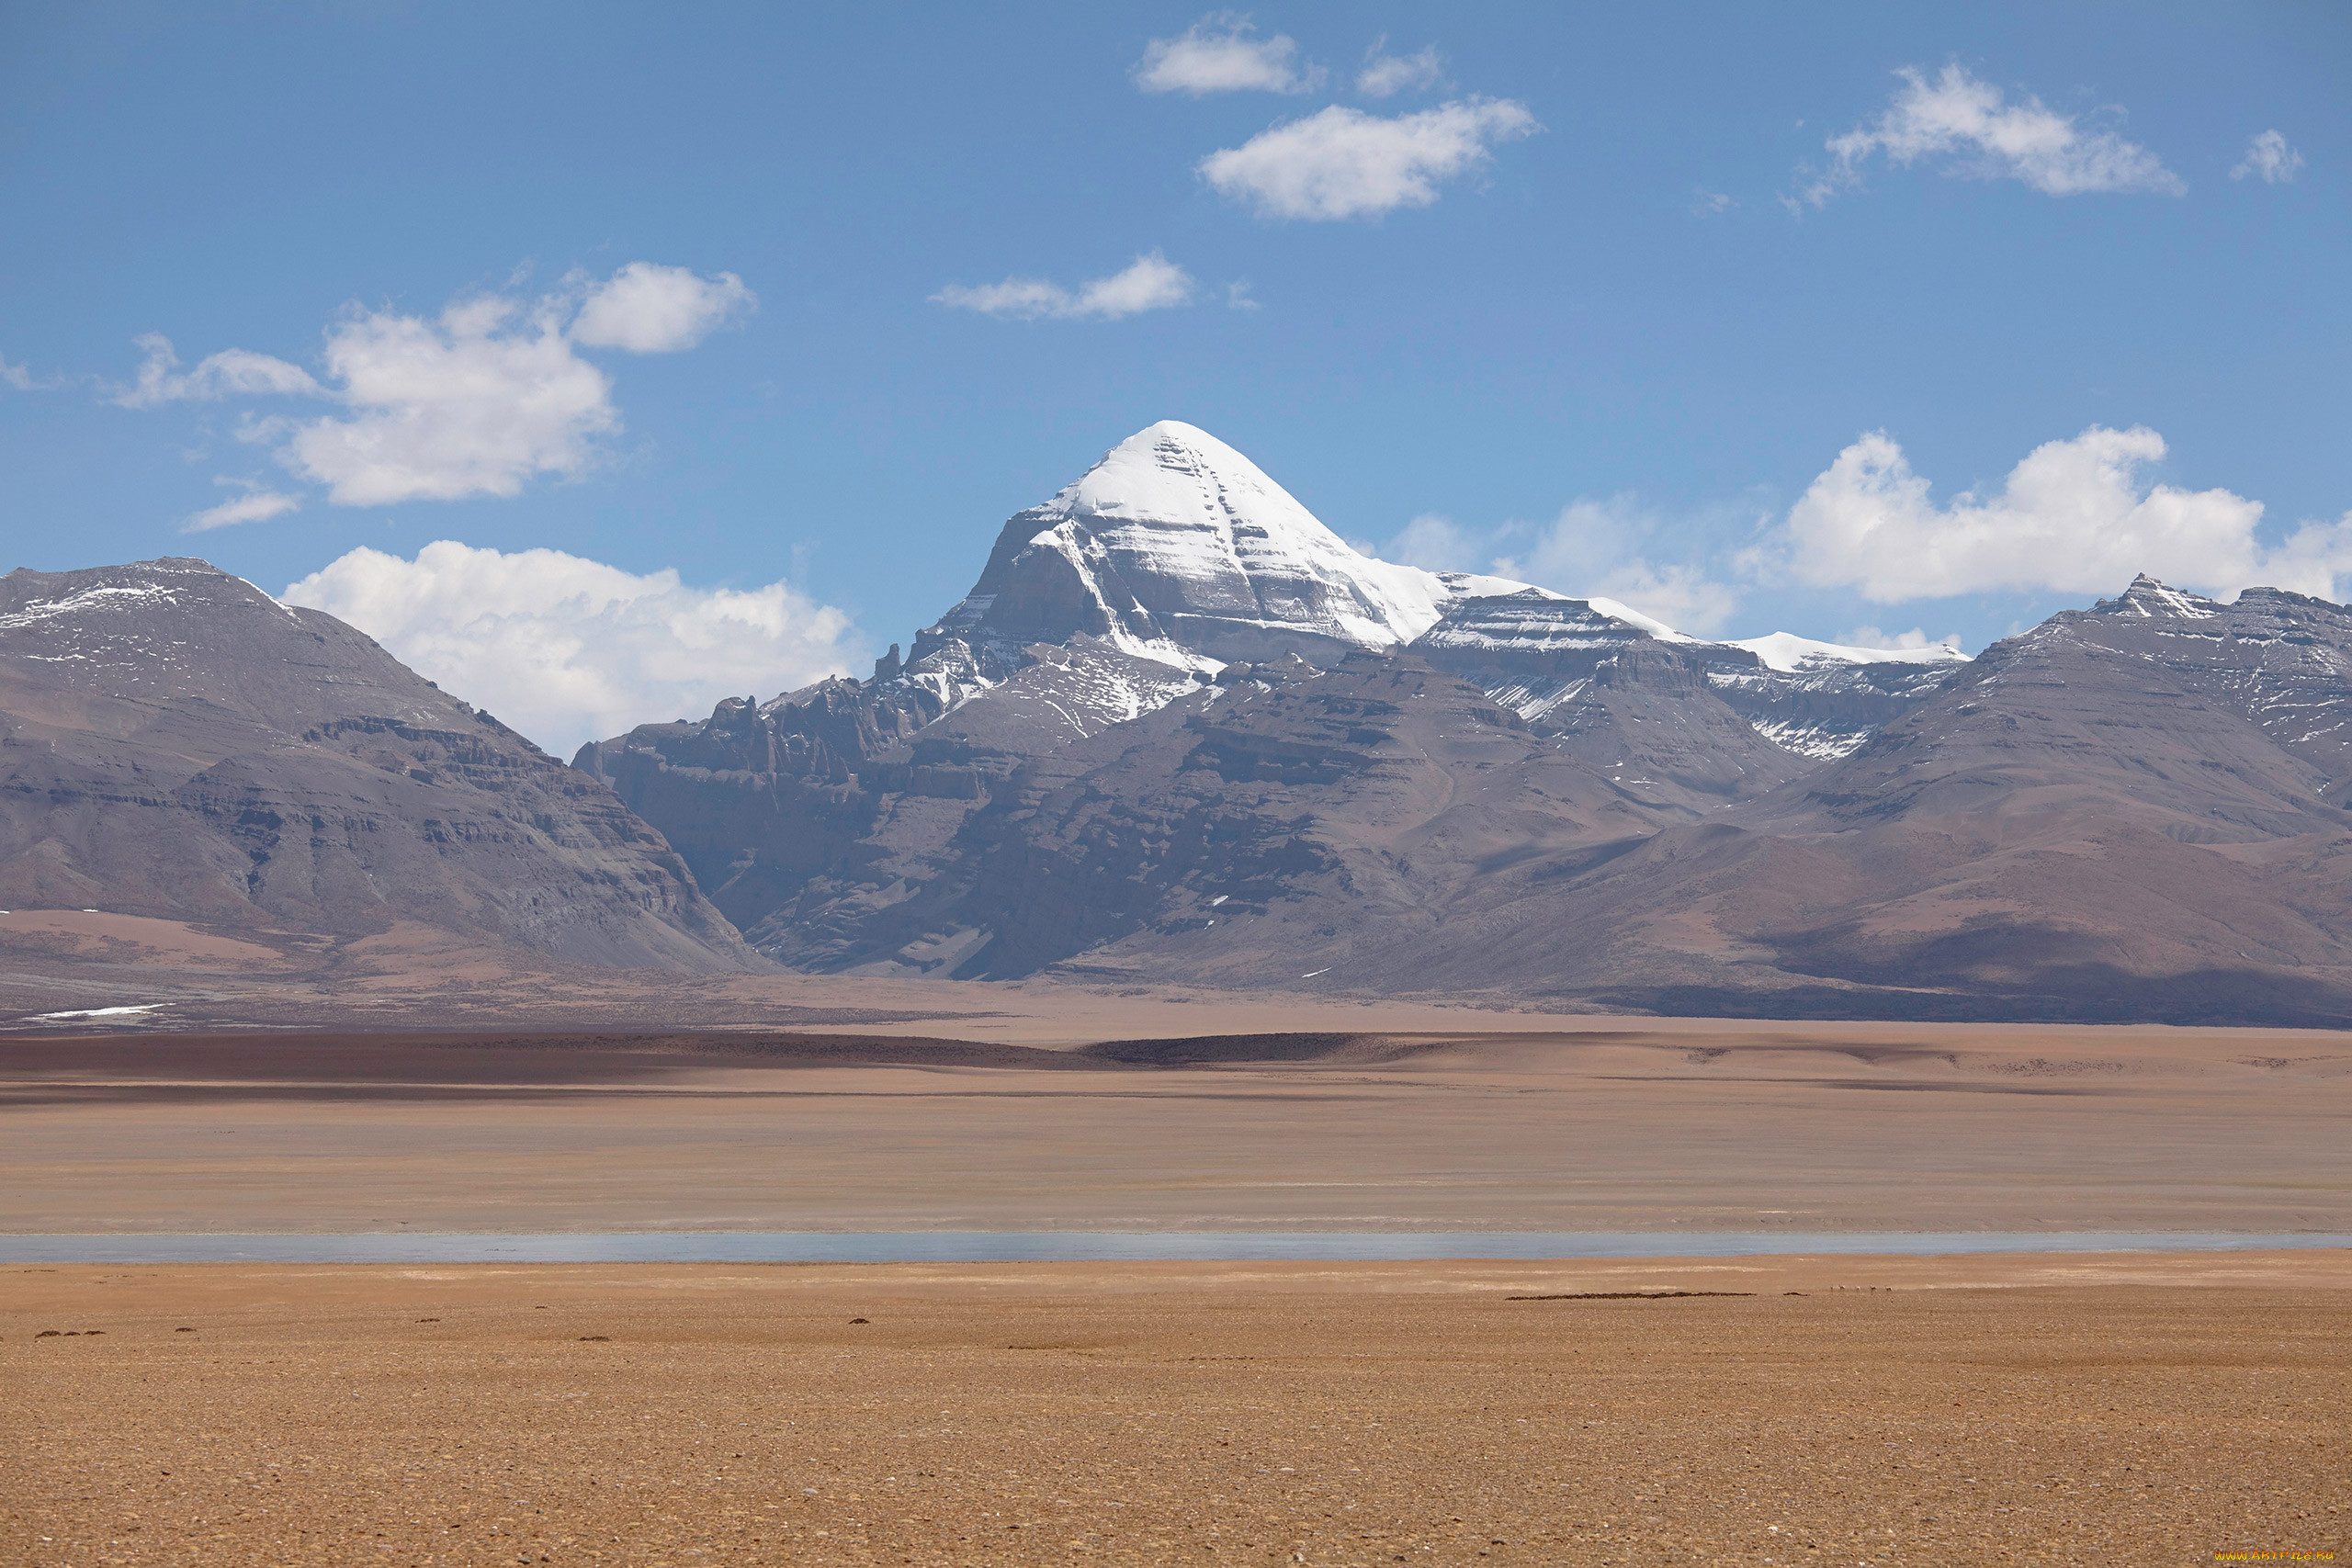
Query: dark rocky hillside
{"x": 173, "y": 742}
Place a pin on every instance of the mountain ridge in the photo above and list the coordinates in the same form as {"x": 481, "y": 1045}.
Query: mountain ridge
{"x": 175, "y": 742}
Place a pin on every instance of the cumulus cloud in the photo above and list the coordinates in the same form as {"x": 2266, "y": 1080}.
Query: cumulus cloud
{"x": 231, "y": 372}
{"x": 258, "y": 504}
{"x": 1217, "y": 54}
{"x": 1985, "y": 137}
{"x": 479, "y": 400}
{"x": 1151, "y": 282}
{"x": 2079, "y": 516}
{"x": 1705, "y": 203}
{"x": 1384, "y": 76}
{"x": 568, "y": 649}
{"x": 648, "y": 309}
{"x": 476, "y": 401}
{"x": 2269, "y": 156}
{"x": 1342, "y": 163}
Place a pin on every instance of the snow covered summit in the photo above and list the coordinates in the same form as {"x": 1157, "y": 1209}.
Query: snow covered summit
{"x": 1177, "y": 547}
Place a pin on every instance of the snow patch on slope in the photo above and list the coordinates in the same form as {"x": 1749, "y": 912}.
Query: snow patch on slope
{"x": 1789, "y": 653}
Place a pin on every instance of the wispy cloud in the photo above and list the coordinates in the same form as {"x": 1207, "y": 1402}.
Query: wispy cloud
{"x": 21, "y": 377}
{"x": 1342, "y": 163}
{"x": 1604, "y": 546}
{"x": 1971, "y": 122}
{"x": 231, "y": 372}
{"x": 258, "y": 504}
{"x": 1707, "y": 203}
{"x": 1217, "y": 54}
{"x": 1151, "y": 282}
{"x": 1384, "y": 76}
{"x": 2270, "y": 157}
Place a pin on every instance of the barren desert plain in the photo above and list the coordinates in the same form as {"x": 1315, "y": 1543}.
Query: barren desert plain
{"x": 2144, "y": 1406}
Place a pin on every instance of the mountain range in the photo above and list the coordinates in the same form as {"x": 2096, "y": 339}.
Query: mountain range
{"x": 1179, "y": 731}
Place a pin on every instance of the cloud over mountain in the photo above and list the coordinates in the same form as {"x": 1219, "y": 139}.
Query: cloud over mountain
{"x": 565, "y": 648}
{"x": 2074, "y": 515}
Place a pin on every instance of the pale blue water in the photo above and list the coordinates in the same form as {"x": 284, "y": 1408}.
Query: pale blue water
{"x": 1044, "y": 1247}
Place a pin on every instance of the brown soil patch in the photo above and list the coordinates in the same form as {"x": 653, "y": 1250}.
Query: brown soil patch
{"x": 1898, "y": 1411}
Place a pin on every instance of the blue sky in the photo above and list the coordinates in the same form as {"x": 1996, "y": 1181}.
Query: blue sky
{"x": 1626, "y": 322}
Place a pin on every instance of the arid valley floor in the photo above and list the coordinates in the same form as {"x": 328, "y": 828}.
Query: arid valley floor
{"x": 2119, "y": 1408}
{"x": 2128, "y": 1407}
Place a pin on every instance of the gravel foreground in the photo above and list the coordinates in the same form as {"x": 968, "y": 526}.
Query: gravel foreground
{"x": 2134, "y": 1409}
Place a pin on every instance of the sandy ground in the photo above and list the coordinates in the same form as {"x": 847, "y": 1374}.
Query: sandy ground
{"x": 1705, "y": 1127}
{"x": 2128, "y": 1409}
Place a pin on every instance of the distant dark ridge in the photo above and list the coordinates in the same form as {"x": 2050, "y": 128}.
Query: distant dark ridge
{"x": 2097, "y": 994}
{"x": 363, "y": 1059}
{"x": 1203, "y": 1049}
{"x": 1626, "y": 1295}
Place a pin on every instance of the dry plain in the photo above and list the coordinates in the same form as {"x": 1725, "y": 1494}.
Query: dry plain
{"x": 2120, "y": 1409}
{"x": 1547, "y": 1126}
{"x": 2130, "y": 1407}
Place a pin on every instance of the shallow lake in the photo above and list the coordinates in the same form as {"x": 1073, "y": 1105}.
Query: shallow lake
{"x": 1069, "y": 1246}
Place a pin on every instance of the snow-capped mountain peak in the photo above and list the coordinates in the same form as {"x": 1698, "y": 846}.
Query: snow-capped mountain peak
{"x": 1175, "y": 547}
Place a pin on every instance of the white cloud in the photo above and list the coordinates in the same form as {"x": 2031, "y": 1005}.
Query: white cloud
{"x": 1871, "y": 636}
{"x": 1342, "y": 163}
{"x": 2270, "y": 156}
{"x": 1593, "y": 550}
{"x": 1151, "y": 282}
{"x": 1597, "y": 547}
{"x": 2075, "y": 516}
{"x": 1216, "y": 54}
{"x": 648, "y": 309}
{"x": 1433, "y": 543}
{"x": 1384, "y": 76}
{"x": 231, "y": 372}
{"x": 567, "y": 649}
{"x": 1707, "y": 203}
{"x": 1237, "y": 296}
{"x": 476, "y": 401}
{"x": 258, "y": 504}
{"x": 1989, "y": 138}
{"x": 21, "y": 377}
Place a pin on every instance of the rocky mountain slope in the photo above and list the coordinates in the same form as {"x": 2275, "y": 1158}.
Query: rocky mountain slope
{"x": 1179, "y": 733}
{"x": 173, "y": 742}
{"x": 2124, "y": 813}
{"x": 824, "y": 821}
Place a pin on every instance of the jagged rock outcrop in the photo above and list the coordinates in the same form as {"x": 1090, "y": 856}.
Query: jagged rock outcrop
{"x": 173, "y": 742}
